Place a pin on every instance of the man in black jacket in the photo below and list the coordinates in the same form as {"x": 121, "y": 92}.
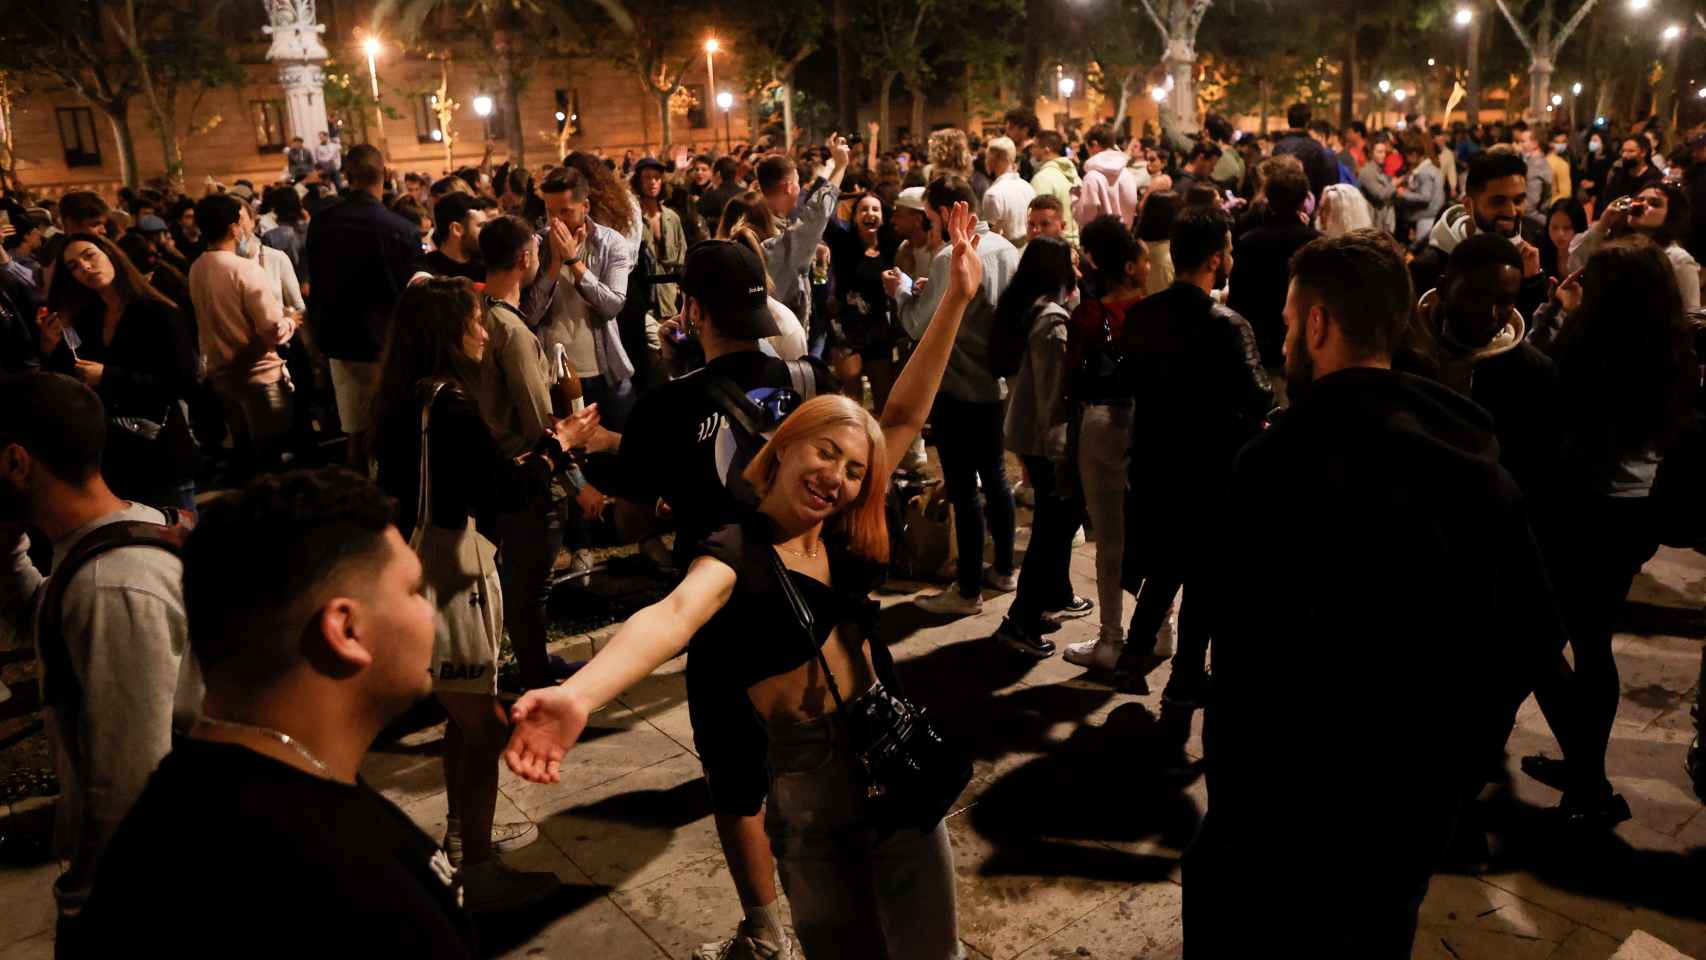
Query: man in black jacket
{"x": 1319, "y": 163}
{"x": 1363, "y": 675}
{"x": 360, "y": 256}
{"x": 1262, "y": 258}
{"x": 1200, "y": 392}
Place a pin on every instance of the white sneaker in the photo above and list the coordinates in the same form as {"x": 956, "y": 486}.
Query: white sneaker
{"x": 744, "y": 946}
{"x": 1078, "y": 537}
{"x": 1095, "y": 654}
{"x": 1000, "y": 582}
{"x": 580, "y": 564}
{"x": 494, "y": 886}
{"x": 950, "y": 602}
{"x": 1166, "y": 637}
{"x": 506, "y": 838}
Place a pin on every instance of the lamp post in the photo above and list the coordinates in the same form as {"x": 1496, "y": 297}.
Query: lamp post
{"x": 711, "y": 48}
{"x": 1066, "y": 87}
{"x": 483, "y": 109}
{"x": 725, "y": 103}
{"x": 371, "y": 46}
{"x": 1464, "y": 19}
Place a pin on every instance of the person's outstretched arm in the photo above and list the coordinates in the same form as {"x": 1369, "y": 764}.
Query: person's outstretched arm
{"x": 548, "y": 722}
{"x": 915, "y": 390}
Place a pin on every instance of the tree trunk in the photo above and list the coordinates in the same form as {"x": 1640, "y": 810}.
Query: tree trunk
{"x": 1128, "y": 85}
{"x": 509, "y": 93}
{"x": 123, "y": 144}
{"x": 846, "y": 105}
{"x": 1665, "y": 105}
{"x": 916, "y": 89}
{"x": 1031, "y": 56}
{"x": 1472, "y": 89}
{"x": 1539, "y": 88}
{"x": 883, "y": 108}
{"x": 1348, "y": 76}
{"x": 788, "y": 112}
{"x": 1262, "y": 105}
{"x": 663, "y": 115}
{"x": 1606, "y": 96}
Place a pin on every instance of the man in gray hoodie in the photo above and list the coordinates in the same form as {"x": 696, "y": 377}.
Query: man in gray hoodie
{"x": 124, "y": 678}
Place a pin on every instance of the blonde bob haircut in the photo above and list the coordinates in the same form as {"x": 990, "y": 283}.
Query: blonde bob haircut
{"x": 863, "y": 520}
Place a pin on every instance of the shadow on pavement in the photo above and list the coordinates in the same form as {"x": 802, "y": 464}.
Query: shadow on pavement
{"x": 500, "y": 933}
{"x": 1652, "y": 619}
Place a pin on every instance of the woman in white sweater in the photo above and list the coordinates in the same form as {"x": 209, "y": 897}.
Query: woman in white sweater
{"x": 1660, "y": 213}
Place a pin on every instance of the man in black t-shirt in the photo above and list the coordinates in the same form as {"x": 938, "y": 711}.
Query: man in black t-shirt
{"x": 258, "y": 822}
{"x": 669, "y": 452}
{"x": 457, "y": 220}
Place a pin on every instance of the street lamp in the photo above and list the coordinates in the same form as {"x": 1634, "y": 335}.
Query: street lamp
{"x": 725, "y": 103}
{"x": 711, "y": 48}
{"x": 1639, "y": 6}
{"x": 371, "y": 46}
{"x": 1157, "y": 94}
{"x": 1066, "y": 88}
{"x": 1575, "y": 89}
{"x": 1463, "y": 17}
{"x": 1385, "y": 86}
{"x": 483, "y": 105}
{"x": 1400, "y": 94}
{"x": 1671, "y": 33}
{"x": 1430, "y": 61}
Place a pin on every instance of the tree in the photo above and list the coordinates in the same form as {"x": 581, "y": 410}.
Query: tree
{"x": 173, "y": 51}
{"x": 1543, "y": 43}
{"x": 895, "y": 32}
{"x": 1177, "y": 21}
{"x": 8, "y": 143}
{"x": 1121, "y": 47}
{"x": 63, "y": 40}
{"x": 775, "y": 39}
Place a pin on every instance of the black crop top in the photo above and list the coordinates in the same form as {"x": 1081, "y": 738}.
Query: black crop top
{"x": 755, "y": 635}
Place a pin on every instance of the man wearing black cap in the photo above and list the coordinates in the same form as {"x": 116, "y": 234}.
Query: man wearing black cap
{"x": 669, "y": 452}
{"x": 456, "y": 237}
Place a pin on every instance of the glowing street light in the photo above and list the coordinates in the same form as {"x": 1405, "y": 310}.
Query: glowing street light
{"x": 725, "y": 100}
{"x": 1067, "y": 86}
{"x": 371, "y": 46}
{"x": 1701, "y": 93}
{"x": 1672, "y": 32}
{"x": 1430, "y": 61}
{"x": 1400, "y": 94}
{"x": 1576, "y": 89}
{"x": 711, "y": 49}
{"x": 1639, "y": 6}
{"x": 1465, "y": 16}
{"x": 725, "y": 103}
{"x": 1385, "y": 86}
{"x": 483, "y": 105}
{"x": 1557, "y": 99}
{"x": 1157, "y": 94}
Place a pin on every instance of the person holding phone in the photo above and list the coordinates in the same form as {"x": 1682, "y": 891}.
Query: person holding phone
{"x": 1661, "y": 213}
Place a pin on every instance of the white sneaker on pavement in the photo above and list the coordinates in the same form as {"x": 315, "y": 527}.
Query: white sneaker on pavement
{"x": 1165, "y": 637}
{"x": 745, "y": 946}
{"x": 1095, "y": 654}
{"x": 506, "y": 838}
{"x": 950, "y": 602}
{"x": 1000, "y": 582}
{"x": 493, "y": 886}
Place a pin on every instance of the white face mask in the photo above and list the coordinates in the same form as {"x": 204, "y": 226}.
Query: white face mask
{"x": 1594, "y": 146}
{"x": 1560, "y": 148}
{"x": 246, "y": 245}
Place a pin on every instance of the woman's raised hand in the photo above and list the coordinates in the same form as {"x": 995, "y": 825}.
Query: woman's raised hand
{"x": 966, "y": 273}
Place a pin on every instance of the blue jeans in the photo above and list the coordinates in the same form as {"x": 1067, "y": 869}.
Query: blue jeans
{"x": 969, "y": 439}
{"x": 856, "y": 892}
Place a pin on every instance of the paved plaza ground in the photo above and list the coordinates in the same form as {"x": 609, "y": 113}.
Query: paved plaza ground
{"x": 1067, "y": 842}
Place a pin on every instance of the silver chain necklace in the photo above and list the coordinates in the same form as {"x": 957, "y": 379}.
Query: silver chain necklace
{"x": 271, "y": 734}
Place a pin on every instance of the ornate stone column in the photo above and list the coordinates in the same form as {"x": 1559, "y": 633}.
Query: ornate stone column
{"x": 297, "y": 50}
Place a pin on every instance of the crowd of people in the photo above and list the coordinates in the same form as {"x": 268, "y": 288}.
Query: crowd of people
{"x": 295, "y": 457}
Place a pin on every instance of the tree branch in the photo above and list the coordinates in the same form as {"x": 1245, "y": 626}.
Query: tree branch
{"x": 1521, "y": 34}
{"x": 1575, "y": 21}
{"x": 1160, "y": 26}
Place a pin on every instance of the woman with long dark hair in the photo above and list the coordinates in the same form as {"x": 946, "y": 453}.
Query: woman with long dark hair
{"x": 1564, "y": 222}
{"x": 1034, "y": 307}
{"x": 859, "y": 251}
{"x": 110, "y": 328}
{"x": 1154, "y": 226}
{"x": 426, "y": 397}
{"x": 1101, "y": 402}
{"x": 1627, "y": 374}
{"x": 822, "y": 687}
{"x": 1660, "y": 212}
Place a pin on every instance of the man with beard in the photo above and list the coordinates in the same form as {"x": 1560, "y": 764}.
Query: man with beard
{"x": 1394, "y": 637}
{"x": 1196, "y": 377}
{"x": 1497, "y": 187}
{"x": 457, "y": 220}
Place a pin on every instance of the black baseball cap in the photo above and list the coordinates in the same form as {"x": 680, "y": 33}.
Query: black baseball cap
{"x": 728, "y": 280}
{"x": 649, "y": 163}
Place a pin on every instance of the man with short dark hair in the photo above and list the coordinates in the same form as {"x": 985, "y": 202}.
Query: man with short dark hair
{"x": 725, "y": 186}
{"x": 241, "y": 323}
{"x": 361, "y": 256}
{"x": 788, "y": 256}
{"x": 1111, "y": 184}
{"x": 1319, "y": 164}
{"x": 967, "y": 420}
{"x": 83, "y": 211}
{"x": 456, "y": 223}
{"x": 309, "y": 648}
{"x": 590, "y": 264}
{"x": 1021, "y": 127}
{"x": 116, "y": 676}
{"x": 298, "y": 160}
{"x": 1199, "y": 169}
{"x": 1261, "y": 257}
{"x": 329, "y": 157}
{"x": 1407, "y": 569}
{"x": 1045, "y": 217}
{"x": 1497, "y": 184}
{"x": 1194, "y": 370}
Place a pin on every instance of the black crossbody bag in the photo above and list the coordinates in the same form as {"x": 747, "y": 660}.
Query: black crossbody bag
{"x": 912, "y": 774}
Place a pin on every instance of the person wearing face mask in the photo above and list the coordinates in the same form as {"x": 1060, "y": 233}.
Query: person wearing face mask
{"x": 1661, "y": 213}
{"x": 1631, "y": 173}
{"x": 1558, "y": 158}
{"x": 1592, "y": 166}
{"x": 1195, "y": 374}
{"x": 241, "y": 323}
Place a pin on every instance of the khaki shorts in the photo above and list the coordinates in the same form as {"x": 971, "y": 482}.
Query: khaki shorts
{"x": 356, "y": 384}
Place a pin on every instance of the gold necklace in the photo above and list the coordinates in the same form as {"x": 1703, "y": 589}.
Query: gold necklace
{"x": 808, "y": 555}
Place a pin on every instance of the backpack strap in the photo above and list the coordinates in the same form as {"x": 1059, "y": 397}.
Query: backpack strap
{"x": 804, "y": 379}
{"x": 733, "y": 403}
{"x": 423, "y": 506}
{"x": 61, "y": 687}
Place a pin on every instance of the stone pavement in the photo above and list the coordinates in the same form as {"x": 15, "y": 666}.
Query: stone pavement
{"x": 1067, "y": 841}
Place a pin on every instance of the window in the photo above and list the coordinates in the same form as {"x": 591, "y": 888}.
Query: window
{"x": 698, "y": 115}
{"x": 269, "y": 125}
{"x": 427, "y": 129}
{"x": 77, "y": 136}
